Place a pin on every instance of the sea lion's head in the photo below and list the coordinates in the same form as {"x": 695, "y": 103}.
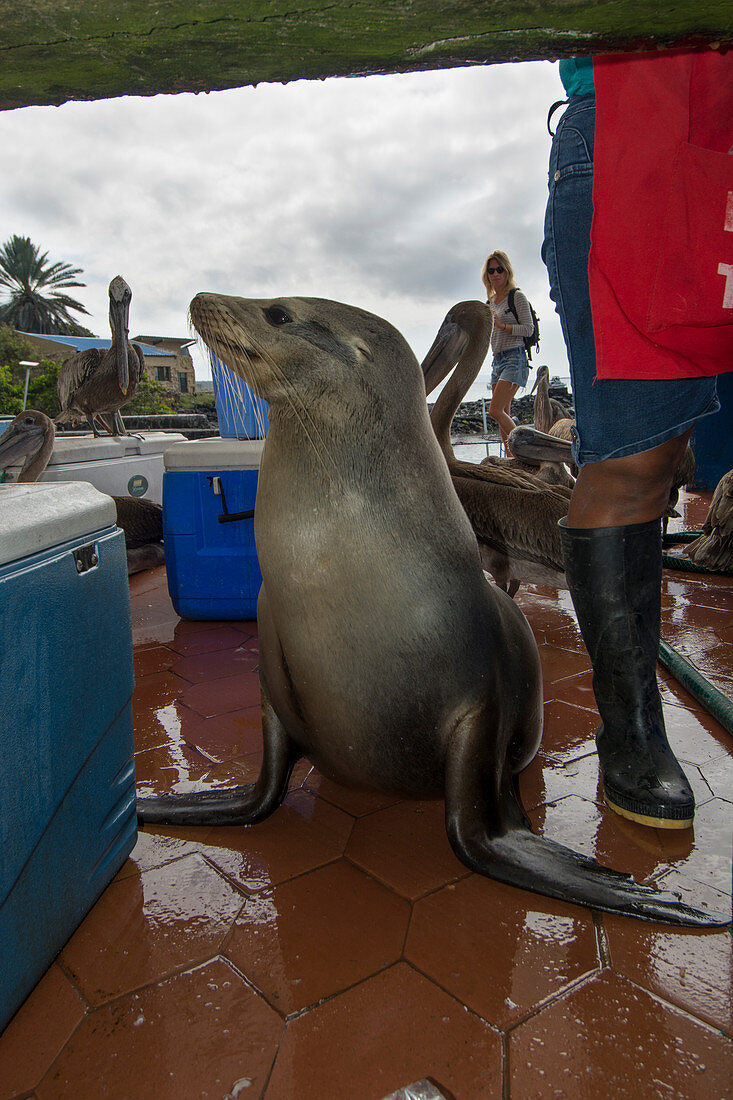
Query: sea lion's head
{"x": 307, "y": 349}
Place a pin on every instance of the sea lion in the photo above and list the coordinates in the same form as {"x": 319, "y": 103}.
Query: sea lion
{"x": 386, "y": 658}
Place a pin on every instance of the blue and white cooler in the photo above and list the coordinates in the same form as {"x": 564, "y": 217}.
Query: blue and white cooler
{"x": 209, "y": 491}
{"x": 67, "y": 784}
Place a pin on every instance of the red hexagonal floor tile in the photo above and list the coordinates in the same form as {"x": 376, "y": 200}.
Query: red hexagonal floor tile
{"x": 38, "y": 1032}
{"x": 406, "y": 847}
{"x": 393, "y": 1029}
{"x": 303, "y": 833}
{"x": 202, "y": 1033}
{"x": 215, "y": 697}
{"x": 318, "y": 934}
{"x": 148, "y": 926}
{"x": 689, "y": 968}
{"x": 609, "y": 1038}
{"x": 500, "y": 950}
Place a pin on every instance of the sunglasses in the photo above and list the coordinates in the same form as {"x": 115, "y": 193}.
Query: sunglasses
{"x": 495, "y": 270}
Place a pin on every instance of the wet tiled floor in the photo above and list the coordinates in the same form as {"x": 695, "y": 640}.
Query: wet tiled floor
{"x": 339, "y": 950}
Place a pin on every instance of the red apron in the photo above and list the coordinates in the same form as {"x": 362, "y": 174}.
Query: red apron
{"x": 661, "y": 258}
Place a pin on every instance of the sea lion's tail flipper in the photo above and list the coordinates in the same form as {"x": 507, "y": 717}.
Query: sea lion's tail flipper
{"x": 243, "y": 805}
{"x": 489, "y": 832}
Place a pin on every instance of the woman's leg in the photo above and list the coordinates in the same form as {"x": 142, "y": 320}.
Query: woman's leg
{"x": 502, "y": 395}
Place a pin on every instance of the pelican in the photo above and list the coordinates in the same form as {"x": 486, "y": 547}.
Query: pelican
{"x": 714, "y": 548}
{"x": 96, "y": 383}
{"x": 513, "y": 513}
{"x": 29, "y": 439}
{"x": 546, "y": 410}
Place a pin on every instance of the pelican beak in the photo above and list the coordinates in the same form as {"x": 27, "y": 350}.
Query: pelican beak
{"x": 123, "y": 368}
{"x": 535, "y": 384}
{"x": 18, "y": 443}
{"x": 534, "y": 446}
{"x": 447, "y": 348}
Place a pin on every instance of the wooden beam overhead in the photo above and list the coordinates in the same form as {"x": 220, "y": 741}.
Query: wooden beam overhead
{"x": 52, "y": 51}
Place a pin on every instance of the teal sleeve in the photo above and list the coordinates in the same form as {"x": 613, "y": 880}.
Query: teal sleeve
{"x": 576, "y": 74}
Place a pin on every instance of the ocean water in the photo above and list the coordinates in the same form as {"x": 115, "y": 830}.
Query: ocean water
{"x": 469, "y": 449}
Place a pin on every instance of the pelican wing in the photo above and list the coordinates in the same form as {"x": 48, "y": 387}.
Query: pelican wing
{"x": 515, "y": 521}
{"x": 75, "y": 373}
{"x": 512, "y": 477}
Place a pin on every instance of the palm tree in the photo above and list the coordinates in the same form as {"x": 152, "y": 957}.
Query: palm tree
{"x": 34, "y": 303}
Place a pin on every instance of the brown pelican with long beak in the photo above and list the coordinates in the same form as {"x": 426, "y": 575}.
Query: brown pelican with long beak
{"x": 513, "y": 513}
{"x": 29, "y": 439}
{"x": 96, "y": 383}
{"x": 546, "y": 410}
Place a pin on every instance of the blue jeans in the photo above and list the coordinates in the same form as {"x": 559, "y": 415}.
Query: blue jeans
{"x": 510, "y": 366}
{"x": 614, "y": 417}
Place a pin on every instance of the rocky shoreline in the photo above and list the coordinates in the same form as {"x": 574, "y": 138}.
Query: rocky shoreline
{"x": 469, "y": 419}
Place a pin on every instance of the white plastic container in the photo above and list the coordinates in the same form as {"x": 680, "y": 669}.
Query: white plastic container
{"x": 123, "y": 466}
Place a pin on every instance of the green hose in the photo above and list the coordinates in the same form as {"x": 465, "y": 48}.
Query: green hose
{"x": 672, "y": 561}
{"x": 714, "y": 701}
{"x": 673, "y": 537}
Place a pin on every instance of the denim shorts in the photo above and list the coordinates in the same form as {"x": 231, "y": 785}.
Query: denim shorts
{"x": 510, "y": 366}
{"x": 614, "y": 417}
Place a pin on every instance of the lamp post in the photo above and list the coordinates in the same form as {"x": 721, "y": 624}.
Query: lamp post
{"x": 27, "y": 363}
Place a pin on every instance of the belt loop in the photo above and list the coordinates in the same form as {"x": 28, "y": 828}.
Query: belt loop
{"x": 550, "y": 113}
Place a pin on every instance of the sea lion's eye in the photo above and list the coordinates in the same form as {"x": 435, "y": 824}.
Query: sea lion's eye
{"x": 276, "y": 315}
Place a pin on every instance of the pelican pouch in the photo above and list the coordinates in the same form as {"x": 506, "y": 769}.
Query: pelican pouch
{"x": 67, "y": 784}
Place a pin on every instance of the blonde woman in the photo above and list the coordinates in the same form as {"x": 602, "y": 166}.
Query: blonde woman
{"x": 510, "y": 368}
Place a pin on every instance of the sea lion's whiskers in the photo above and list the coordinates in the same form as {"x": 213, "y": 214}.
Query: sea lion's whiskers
{"x": 302, "y": 415}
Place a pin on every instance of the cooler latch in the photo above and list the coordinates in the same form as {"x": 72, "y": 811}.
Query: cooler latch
{"x": 86, "y": 558}
{"x": 226, "y": 516}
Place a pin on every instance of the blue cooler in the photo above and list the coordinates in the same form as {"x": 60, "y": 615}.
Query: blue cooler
{"x": 67, "y": 782}
{"x": 240, "y": 414}
{"x": 209, "y": 490}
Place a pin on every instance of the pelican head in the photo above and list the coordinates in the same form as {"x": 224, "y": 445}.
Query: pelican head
{"x": 120, "y": 297}
{"x": 535, "y": 446}
{"x": 464, "y": 323}
{"x": 543, "y": 372}
{"x": 28, "y": 438}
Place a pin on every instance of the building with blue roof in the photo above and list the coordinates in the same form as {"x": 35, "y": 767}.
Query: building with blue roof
{"x": 167, "y": 358}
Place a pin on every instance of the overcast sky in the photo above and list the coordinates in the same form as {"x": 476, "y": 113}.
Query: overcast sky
{"x": 385, "y": 192}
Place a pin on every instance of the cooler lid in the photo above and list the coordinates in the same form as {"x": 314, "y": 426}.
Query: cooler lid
{"x": 89, "y": 448}
{"x": 214, "y": 454}
{"x": 43, "y": 514}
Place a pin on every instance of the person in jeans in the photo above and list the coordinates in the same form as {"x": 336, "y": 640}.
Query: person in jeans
{"x": 638, "y": 389}
{"x": 510, "y": 367}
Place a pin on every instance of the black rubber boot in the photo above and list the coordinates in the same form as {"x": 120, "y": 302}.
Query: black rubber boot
{"x": 615, "y": 576}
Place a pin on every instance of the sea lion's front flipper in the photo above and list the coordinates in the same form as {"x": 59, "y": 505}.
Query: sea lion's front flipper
{"x": 234, "y": 805}
{"x": 489, "y": 832}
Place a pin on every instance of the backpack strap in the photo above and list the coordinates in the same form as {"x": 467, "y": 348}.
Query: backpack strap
{"x": 510, "y": 303}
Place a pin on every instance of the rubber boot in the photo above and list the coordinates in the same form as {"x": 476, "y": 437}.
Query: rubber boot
{"x": 615, "y": 577}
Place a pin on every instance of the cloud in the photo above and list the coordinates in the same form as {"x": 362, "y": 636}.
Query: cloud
{"x": 386, "y": 192}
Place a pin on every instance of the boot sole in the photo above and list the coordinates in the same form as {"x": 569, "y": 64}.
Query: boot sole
{"x": 646, "y": 819}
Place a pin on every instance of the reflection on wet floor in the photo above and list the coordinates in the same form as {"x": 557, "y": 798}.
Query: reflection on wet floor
{"x": 340, "y": 949}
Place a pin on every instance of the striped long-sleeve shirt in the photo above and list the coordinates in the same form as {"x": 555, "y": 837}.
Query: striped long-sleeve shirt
{"x": 502, "y": 341}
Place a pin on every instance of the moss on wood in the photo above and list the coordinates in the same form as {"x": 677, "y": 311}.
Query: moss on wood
{"x": 55, "y": 50}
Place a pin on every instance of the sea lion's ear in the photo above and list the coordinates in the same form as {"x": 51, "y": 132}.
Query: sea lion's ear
{"x": 362, "y": 350}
